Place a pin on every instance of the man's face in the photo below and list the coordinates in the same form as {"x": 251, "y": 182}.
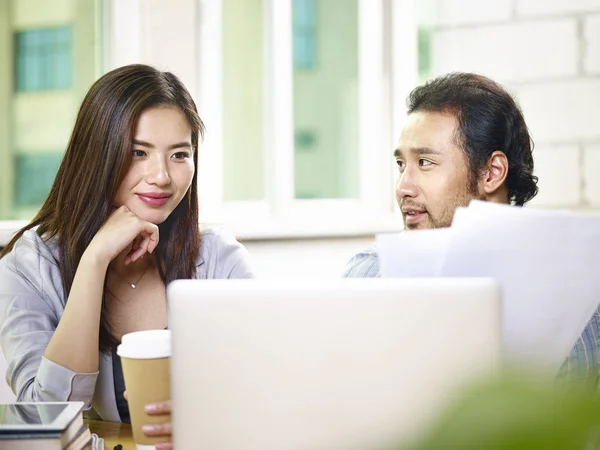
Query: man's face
{"x": 433, "y": 173}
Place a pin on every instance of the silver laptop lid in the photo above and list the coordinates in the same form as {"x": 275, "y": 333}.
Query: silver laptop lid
{"x": 343, "y": 364}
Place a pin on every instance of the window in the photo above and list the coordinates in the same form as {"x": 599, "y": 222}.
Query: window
{"x": 43, "y": 60}
{"x": 50, "y": 55}
{"x": 303, "y": 101}
{"x": 304, "y": 27}
{"x": 424, "y": 43}
{"x": 34, "y": 175}
{"x": 325, "y": 102}
{"x": 296, "y": 95}
{"x": 424, "y": 18}
{"x": 242, "y": 93}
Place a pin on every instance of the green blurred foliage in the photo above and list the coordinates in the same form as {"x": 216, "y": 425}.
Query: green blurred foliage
{"x": 517, "y": 412}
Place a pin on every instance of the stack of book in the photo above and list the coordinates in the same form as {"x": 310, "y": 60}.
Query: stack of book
{"x": 43, "y": 426}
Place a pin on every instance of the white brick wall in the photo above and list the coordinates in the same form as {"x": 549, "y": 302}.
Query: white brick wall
{"x": 547, "y": 52}
{"x": 509, "y": 52}
{"x": 592, "y": 44}
{"x": 461, "y": 12}
{"x": 562, "y": 111}
{"x": 591, "y": 172}
{"x": 558, "y": 169}
{"x": 547, "y": 7}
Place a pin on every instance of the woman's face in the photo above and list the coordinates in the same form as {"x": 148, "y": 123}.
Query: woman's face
{"x": 162, "y": 167}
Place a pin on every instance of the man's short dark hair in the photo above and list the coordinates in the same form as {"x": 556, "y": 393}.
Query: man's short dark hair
{"x": 489, "y": 119}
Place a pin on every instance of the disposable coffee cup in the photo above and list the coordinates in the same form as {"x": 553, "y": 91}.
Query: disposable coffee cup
{"x": 145, "y": 359}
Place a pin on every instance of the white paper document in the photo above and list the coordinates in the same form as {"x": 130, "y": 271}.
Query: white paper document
{"x": 547, "y": 263}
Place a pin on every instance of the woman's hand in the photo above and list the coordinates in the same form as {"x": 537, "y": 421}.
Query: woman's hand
{"x": 163, "y": 429}
{"x": 123, "y": 229}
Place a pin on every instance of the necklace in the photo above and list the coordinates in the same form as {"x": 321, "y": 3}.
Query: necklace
{"x": 133, "y": 285}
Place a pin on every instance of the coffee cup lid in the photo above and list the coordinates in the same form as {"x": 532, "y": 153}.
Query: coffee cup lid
{"x": 147, "y": 344}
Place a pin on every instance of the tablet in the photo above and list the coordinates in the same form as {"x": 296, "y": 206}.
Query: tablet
{"x": 41, "y": 417}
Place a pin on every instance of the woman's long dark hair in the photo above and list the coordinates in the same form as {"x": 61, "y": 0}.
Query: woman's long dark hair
{"x": 96, "y": 161}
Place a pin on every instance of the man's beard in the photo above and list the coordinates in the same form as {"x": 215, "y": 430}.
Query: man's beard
{"x": 444, "y": 219}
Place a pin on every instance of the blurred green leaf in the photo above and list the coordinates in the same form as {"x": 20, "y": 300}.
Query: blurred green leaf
{"x": 517, "y": 412}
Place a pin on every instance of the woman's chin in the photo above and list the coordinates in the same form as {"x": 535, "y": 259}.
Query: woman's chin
{"x": 155, "y": 217}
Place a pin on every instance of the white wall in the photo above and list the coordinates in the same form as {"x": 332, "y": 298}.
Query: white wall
{"x": 325, "y": 258}
{"x": 547, "y": 52}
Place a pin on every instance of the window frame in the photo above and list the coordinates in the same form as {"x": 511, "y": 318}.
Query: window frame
{"x": 279, "y": 214}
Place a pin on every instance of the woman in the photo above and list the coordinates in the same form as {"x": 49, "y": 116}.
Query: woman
{"x": 120, "y": 222}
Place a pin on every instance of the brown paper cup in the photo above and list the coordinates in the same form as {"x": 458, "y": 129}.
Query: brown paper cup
{"x": 145, "y": 357}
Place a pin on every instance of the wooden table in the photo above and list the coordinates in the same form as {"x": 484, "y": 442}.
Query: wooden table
{"x": 113, "y": 433}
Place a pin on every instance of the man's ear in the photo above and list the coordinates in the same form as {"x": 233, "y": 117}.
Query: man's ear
{"x": 495, "y": 173}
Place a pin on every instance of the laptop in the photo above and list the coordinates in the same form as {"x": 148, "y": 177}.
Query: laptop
{"x": 340, "y": 364}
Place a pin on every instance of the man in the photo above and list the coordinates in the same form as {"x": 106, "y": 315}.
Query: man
{"x": 465, "y": 138}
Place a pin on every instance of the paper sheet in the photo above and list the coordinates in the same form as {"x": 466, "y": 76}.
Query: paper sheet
{"x": 548, "y": 264}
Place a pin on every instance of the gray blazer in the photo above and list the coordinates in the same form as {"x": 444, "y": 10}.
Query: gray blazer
{"x": 32, "y": 301}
